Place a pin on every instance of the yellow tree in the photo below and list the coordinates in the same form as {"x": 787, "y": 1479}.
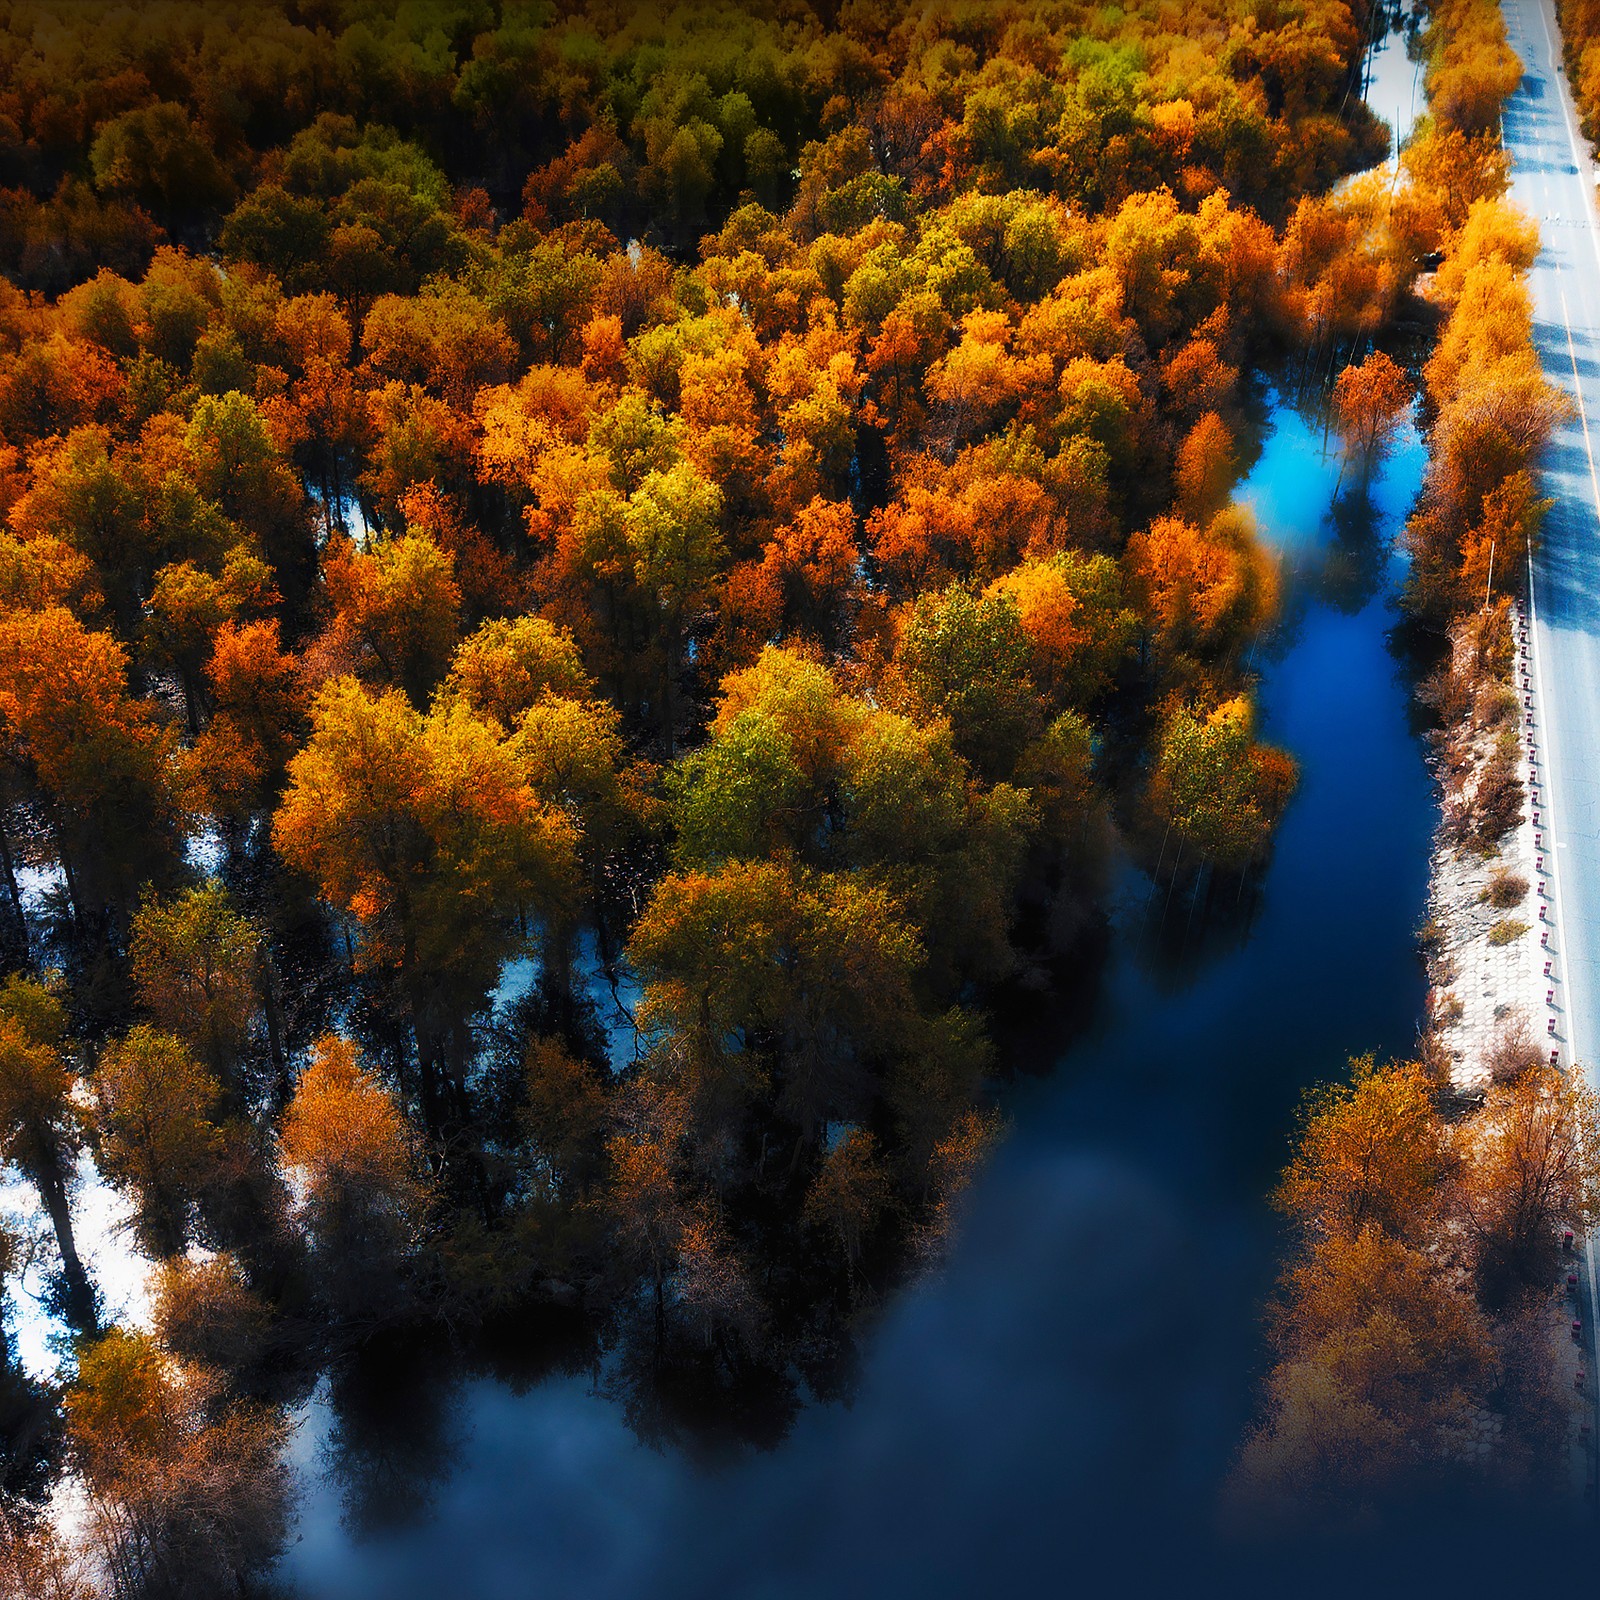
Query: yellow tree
{"x": 427, "y": 831}
{"x": 811, "y": 973}
{"x": 1530, "y": 1165}
{"x": 1380, "y": 1359}
{"x": 259, "y": 710}
{"x": 1370, "y": 1152}
{"x": 1071, "y": 608}
{"x": 504, "y": 668}
{"x": 673, "y": 524}
{"x": 400, "y": 602}
{"x": 1205, "y": 468}
{"x": 647, "y": 1213}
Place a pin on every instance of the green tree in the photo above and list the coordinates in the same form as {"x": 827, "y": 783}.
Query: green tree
{"x": 196, "y": 966}
{"x": 1220, "y": 791}
{"x": 811, "y": 972}
{"x": 155, "y": 155}
{"x": 672, "y": 523}
{"x": 154, "y": 1105}
{"x": 968, "y": 658}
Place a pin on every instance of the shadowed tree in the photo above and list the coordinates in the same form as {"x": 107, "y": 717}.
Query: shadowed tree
{"x": 94, "y": 758}
{"x": 41, "y": 1127}
{"x": 362, "y": 1196}
{"x": 196, "y": 964}
{"x": 188, "y": 1495}
{"x": 849, "y": 1195}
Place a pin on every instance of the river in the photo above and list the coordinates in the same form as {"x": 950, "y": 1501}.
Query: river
{"x": 1075, "y": 1383}
{"x": 1063, "y": 1401}
{"x": 1057, "y": 1408}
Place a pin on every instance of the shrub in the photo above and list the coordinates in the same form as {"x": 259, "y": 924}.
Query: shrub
{"x": 1495, "y": 706}
{"x": 1498, "y": 803}
{"x": 1505, "y": 889}
{"x": 1514, "y": 1051}
{"x": 1433, "y": 1056}
{"x": 1506, "y": 930}
{"x": 1447, "y": 694}
{"x": 205, "y": 1312}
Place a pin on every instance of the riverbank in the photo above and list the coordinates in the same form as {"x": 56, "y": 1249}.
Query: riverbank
{"x": 1425, "y": 1330}
{"x": 1499, "y": 1014}
{"x": 1490, "y": 924}
{"x": 1499, "y": 1005}
{"x": 1493, "y": 947}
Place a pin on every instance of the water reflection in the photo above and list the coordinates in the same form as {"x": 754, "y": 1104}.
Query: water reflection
{"x": 393, "y": 1435}
{"x": 1357, "y": 557}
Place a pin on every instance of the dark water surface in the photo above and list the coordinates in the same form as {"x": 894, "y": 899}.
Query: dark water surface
{"x": 1057, "y": 1409}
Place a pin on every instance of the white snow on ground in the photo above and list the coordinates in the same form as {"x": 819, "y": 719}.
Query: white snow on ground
{"x": 615, "y": 1008}
{"x": 102, "y": 1219}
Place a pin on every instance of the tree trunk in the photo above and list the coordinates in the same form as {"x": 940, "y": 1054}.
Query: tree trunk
{"x": 191, "y": 701}
{"x": 556, "y": 979}
{"x": 661, "y": 1313}
{"x": 671, "y": 643}
{"x": 269, "y": 1006}
{"x": 74, "y": 898}
{"x": 52, "y": 1185}
{"x": 13, "y": 891}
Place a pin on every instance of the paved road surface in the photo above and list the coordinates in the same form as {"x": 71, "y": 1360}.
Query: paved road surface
{"x": 1553, "y": 179}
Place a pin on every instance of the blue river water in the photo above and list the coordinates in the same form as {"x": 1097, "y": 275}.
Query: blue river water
{"x": 1053, "y": 1413}
{"x": 1073, "y": 1386}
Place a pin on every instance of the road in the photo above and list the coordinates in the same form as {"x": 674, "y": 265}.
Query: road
{"x": 1553, "y": 179}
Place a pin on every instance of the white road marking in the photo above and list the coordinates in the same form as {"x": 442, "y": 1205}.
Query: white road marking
{"x": 1558, "y": 77}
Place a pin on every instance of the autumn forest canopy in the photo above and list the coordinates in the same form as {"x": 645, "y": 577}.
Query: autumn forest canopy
{"x": 582, "y": 587}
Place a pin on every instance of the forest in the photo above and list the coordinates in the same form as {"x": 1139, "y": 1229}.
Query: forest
{"x": 586, "y": 593}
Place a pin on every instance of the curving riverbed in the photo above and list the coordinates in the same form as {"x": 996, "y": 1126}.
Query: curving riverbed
{"x": 1085, "y": 1364}
{"x": 1072, "y": 1388}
